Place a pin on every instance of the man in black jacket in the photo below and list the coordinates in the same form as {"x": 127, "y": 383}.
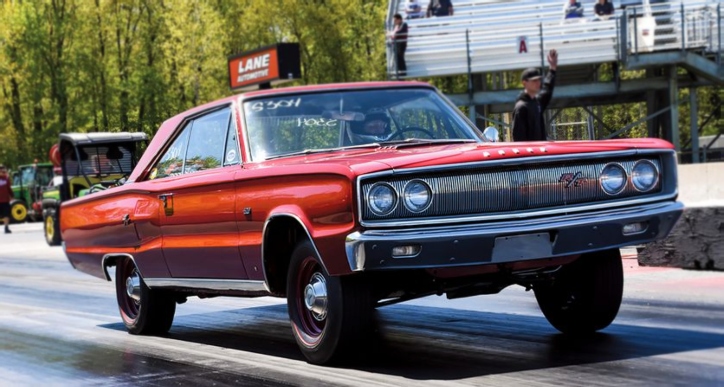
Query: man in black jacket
{"x": 528, "y": 122}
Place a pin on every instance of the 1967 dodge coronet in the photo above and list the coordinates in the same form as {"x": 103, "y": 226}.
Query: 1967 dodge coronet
{"x": 346, "y": 197}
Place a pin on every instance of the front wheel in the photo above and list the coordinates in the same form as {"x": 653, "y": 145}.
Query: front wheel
{"x": 586, "y": 294}
{"x": 52, "y": 227}
{"x": 330, "y": 316}
{"x": 18, "y": 211}
{"x": 144, "y": 311}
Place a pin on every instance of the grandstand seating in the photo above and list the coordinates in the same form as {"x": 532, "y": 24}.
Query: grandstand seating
{"x": 484, "y": 35}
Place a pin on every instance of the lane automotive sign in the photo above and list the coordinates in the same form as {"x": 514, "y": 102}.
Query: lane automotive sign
{"x": 266, "y": 65}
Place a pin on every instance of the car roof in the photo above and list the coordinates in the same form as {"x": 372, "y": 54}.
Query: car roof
{"x": 102, "y": 137}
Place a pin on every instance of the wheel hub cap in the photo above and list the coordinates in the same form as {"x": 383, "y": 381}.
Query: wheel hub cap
{"x": 315, "y": 297}
{"x": 133, "y": 286}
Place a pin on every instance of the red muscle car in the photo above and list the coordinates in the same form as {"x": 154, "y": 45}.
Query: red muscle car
{"x": 346, "y": 197}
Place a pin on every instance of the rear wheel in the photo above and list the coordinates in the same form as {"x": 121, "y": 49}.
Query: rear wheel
{"x": 330, "y": 316}
{"x": 18, "y": 211}
{"x": 585, "y": 295}
{"x": 51, "y": 227}
{"x": 144, "y": 311}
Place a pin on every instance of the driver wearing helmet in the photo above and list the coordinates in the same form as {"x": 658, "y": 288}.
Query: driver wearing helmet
{"x": 376, "y": 127}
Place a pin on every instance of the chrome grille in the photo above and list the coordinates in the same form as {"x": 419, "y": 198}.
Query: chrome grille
{"x": 509, "y": 189}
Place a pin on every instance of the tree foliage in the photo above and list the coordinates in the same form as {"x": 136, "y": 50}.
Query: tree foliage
{"x": 127, "y": 65}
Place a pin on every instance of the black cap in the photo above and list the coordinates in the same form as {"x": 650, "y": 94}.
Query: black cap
{"x": 530, "y": 74}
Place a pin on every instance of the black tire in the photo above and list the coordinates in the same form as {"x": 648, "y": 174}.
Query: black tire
{"x": 329, "y": 332}
{"x": 152, "y": 313}
{"x": 51, "y": 227}
{"x": 18, "y": 211}
{"x": 585, "y": 295}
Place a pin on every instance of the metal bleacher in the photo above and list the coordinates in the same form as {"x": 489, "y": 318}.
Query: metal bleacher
{"x": 488, "y": 39}
{"x": 485, "y": 35}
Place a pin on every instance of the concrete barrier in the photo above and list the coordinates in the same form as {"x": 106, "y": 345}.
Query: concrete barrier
{"x": 697, "y": 240}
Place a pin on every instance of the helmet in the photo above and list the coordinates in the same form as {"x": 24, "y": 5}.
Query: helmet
{"x": 375, "y": 128}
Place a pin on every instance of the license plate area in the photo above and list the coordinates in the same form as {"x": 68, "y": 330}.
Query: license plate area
{"x": 520, "y": 247}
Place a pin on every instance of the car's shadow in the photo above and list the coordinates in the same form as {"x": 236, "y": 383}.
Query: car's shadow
{"x": 427, "y": 343}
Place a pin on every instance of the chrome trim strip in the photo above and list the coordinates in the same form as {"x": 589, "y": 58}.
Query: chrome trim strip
{"x": 111, "y": 255}
{"x": 210, "y": 284}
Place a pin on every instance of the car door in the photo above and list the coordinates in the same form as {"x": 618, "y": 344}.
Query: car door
{"x": 198, "y": 224}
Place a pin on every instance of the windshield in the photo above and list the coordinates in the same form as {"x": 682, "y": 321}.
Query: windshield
{"x": 29, "y": 174}
{"x": 316, "y": 122}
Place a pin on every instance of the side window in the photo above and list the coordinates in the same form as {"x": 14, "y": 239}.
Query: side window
{"x": 231, "y": 156}
{"x": 171, "y": 163}
{"x": 207, "y": 141}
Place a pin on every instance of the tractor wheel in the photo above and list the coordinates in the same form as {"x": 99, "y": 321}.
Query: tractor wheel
{"x": 51, "y": 227}
{"x": 18, "y": 211}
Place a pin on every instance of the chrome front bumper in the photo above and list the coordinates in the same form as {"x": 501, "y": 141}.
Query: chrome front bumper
{"x": 509, "y": 241}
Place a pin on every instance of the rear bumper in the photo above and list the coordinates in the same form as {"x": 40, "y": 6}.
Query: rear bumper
{"x": 509, "y": 241}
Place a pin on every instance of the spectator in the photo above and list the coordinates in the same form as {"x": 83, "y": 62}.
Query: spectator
{"x": 528, "y": 122}
{"x": 413, "y": 10}
{"x": 398, "y": 35}
{"x": 572, "y": 9}
{"x": 6, "y": 194}
{"x": 603, "y": 9}
{"x": 440, "y": 8}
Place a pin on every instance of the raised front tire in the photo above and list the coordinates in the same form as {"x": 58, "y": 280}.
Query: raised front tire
{"x": 144, "y": 311}
{"x": 331, "y": 316}
{"x": 585, "y": 295}
{"x": 51, "y": 227}
{"x": 18, "y": 211}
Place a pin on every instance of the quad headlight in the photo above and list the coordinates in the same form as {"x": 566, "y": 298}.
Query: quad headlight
{"x": 613, "y": 178}
{"x": 644, "y": 175}
{"x": 382, "y": 199}
{"x": 417, "y": 196}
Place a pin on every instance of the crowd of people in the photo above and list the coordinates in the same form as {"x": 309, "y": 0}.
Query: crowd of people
{"x": 574, "y": 10}
{"x": 571, "y": 10}
{"x": 414, "y": 10}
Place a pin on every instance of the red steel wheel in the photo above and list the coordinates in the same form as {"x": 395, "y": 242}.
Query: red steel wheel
{"x": 331, "y": 316}
{"x": 144, "y": 311}
{"x": 311, "y": 301}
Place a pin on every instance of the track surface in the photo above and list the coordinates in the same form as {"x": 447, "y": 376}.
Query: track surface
{"x": 61, "y": 327}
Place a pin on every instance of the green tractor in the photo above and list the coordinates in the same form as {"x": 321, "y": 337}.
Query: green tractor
{"x": 28, "y": 183}
{"x": 89, "y": 162}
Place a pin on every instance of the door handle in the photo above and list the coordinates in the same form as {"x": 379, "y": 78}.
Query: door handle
{"x": 167, "y": 200}
{"x": 126, "y": 220}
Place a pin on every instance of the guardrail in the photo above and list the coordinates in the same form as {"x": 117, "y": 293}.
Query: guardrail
{"x": 513, "y": 36}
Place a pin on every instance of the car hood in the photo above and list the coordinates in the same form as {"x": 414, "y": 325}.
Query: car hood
{"x": 369, "y": 160}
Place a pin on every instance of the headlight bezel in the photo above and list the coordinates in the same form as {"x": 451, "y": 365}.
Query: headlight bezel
{"x": 602, "y": 176}
{"x": 657, "y": 175}
{"x": 372, "y": 204}
{"x": 405, "y": 197}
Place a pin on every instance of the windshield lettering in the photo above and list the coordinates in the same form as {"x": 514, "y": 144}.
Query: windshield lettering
{"x": 273, "y": 105}
{"x": 316, "y": 122}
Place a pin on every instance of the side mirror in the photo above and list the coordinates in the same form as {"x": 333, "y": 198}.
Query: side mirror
{"x": 491, "y": 134}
